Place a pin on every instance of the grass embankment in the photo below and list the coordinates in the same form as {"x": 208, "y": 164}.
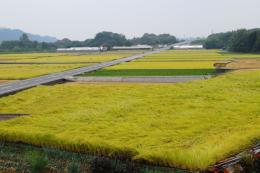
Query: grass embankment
{"x": 24, "y": 71}
{"x": 190, "y": 125}
{"x": 172, "y": 63}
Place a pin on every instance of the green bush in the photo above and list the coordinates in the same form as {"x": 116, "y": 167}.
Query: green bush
{"x": 37, "y": 161}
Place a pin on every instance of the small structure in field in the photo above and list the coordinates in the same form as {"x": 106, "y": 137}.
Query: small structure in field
{"x": 82, "y": 49}
{"x": 136, "y": 47}
{"x": 188, "y": 47}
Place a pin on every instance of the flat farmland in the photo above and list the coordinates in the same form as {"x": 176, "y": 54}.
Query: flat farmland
{"x": 172, "y": 63}
{"x": 25, "y": 71}
{"x": 189, "y": 125}
{"x": 23, "y": 66}
{"x": 72, "y": 59}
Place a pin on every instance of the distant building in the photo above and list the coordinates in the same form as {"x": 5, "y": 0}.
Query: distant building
{"x": 82, "y": 49}
{"x": 188, "y": 47}
{"x": 136, "y": 47}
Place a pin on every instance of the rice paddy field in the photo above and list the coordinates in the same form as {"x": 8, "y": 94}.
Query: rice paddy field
{"x": 24, "y": 71}
{"x": 172, "y": 63}
{"x": 37, "y": 64}
{"x": 189, "y": 125}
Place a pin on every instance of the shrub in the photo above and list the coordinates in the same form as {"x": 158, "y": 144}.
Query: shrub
{"x": 37, "y": 161}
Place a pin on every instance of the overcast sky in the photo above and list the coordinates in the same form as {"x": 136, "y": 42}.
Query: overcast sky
{"x": 81, "y": 19}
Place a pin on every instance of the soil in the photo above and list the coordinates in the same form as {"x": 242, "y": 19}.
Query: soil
{"x": 4, "y": 117}
{"x": 4, "y": 81}
{"x": 244, "y": 64}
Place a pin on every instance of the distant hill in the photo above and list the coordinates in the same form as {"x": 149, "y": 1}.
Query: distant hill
{"x": 7, "y": 34}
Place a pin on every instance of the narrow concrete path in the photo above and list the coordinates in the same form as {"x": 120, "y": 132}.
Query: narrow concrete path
{"x": 146, "y": 79}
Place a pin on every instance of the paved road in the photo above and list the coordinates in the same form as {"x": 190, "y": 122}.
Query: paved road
{"x": 146, "y": 79}
{"x": 28, "y": 83}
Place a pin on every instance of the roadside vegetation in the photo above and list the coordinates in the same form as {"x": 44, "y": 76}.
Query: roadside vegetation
{"x": 190, "y": 125}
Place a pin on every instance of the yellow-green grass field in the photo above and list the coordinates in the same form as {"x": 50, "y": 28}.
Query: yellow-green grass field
{"x": 157, "y": 69}
{"x": 189, "y": 125}
{"x": 172, "y": 63}
{"x": 163, "y": 65}
{"x": 72, "y": 60}
{"x": 62, "y": 57}
{"x": 201, "y": 54}
{"x": 24, "y": 71}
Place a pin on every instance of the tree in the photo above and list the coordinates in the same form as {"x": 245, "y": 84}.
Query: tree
{"x": 24, "y": 38}
{"x": 239, "y": 41}
{"x": 217, "y": 41}
{"x": 153, "y": 39}
{"x": 109, "y": 39}
{"x": 24, "y": 44}
{"x": 256, "y": 46}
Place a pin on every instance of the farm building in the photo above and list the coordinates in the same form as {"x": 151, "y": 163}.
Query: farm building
{"x": 136, "y": 47}
{"x": 188, "y": 47}
{"x": 82, "y": 49}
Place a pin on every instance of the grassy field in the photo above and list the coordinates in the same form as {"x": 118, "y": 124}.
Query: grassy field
{"x": 172, "y": 63}
{"x": 21, "y": 71}
{"x": 151, "y": 72}
{"x": 163, "y": 65}
{"x": 190, "y": 125}
{"x": 73, "y": 60}
{"x": 157, "y": 69}
{"x": 64, "y": 57}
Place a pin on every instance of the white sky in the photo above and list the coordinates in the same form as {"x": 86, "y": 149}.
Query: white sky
{"x": 81, "y": 19}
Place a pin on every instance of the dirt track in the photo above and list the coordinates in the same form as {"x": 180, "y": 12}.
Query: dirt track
{"x": 244, "y": 64}
{"x": 4, "y": 116}
{"x": 4, "y": 81}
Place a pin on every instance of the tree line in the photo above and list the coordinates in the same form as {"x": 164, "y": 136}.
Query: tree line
{"x": 108, "y": 39}
{"x": 241, "y": 40}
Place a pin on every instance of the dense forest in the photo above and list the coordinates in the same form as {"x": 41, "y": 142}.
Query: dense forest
{"x": 236, "y": 41}
{"x": 108, "y": 39}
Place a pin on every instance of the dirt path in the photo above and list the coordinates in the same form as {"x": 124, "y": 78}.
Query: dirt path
{"x": 4, "y": 81}
{"x": 5, "y": 116}
{"x": 244, "y": 64}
